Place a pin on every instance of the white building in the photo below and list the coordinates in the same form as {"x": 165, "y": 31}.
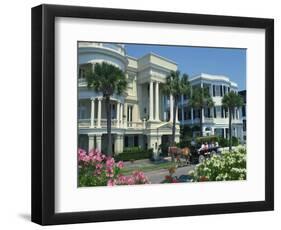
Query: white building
{"x": 141, "y": 117}
{"x": 215, "y": 120}
{"x": 137, "y": 117}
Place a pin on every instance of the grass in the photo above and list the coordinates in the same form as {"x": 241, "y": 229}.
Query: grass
{"x": 146, "y": 167}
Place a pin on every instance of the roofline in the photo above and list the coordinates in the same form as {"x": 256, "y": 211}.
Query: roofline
{"x": 220, "y": 77}
{"x": 157, "y": 55}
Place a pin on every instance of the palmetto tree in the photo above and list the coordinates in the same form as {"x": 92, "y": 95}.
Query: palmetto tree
{"x": 176, "y": 85}
{"x": 231, "y": 101}
{"x": 201, "y": 99}
{"x": 107, "y": 79}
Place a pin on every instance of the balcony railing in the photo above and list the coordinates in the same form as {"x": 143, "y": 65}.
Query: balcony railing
{"x": 86, "y": 123}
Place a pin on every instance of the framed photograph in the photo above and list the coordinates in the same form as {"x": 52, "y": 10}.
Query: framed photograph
{"x": 143, "y": 114}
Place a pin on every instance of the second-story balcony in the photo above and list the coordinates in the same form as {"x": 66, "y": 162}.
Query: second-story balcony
{"x": 86, "y": 123}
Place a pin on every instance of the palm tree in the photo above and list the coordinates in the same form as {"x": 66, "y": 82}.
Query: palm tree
{"x": 201, "y": 99}
{"x": 176, "y": 85}
{"x": 107, "y": 79}
{"x": 231, "y": 101}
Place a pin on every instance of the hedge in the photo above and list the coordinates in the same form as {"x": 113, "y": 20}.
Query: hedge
{"x": 134, "y": 153}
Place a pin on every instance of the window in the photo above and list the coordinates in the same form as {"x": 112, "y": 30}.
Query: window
{"x": 126, "y": 141}
{"x": 243, "y": 111}
{"x": 136, "y": 140}
{"x": 217, "y": 90}
{"x": 81, "y": 73}
{"x": 218, "y": 111}
{"x": 82, "y": 112}
{"x": 83, "y": 69}
{"x": 226, "y": 132}
{"x": 219, "y": 132}
{"x": 222, "y": 112}
{"x": 188, "y": 113}
{"x": 207, "y": 112}
{"x": 215, "y": 112}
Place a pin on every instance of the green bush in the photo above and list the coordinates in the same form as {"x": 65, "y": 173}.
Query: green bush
{"x": 235, "y": 141}
{"x": 134, "y": 153}
{"x": 227, "y": 166}
{"x": 223, "y": 142}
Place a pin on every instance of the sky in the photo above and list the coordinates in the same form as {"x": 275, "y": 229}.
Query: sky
{"x": 195, "y": 60}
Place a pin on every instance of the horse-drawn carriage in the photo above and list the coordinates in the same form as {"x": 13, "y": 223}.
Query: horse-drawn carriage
{"x": 194, "y": 154}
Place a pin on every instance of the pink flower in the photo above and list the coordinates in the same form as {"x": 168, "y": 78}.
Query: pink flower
{"x": 81, "y": 154}
{"x": 110, "y": 162}
{"x": 110, "y": 182}
{"x": 120, "y": 164}
{"x": 130, "y": 181}
{"x": 99, "y": 166}
{"x": 97, "y": 172}
{"x": 97, "y": 158}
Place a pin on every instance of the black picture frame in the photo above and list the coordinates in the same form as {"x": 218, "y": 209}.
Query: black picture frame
{"x": 43, "y": 114}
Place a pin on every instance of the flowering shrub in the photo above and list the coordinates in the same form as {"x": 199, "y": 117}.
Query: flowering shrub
{"x": 227, "y": 166}
{"x": 96, "y": 169}
{"x": 170, "y": 178}
{"x": 137, "y": 177}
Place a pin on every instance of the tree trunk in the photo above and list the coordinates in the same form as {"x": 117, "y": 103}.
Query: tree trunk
{"x": 230, "y": 129}
{"x": 108, "y": 123}
{"x": 201, "y": 122}
{"x": 173, "y": 129}
{"x": 174, "y": 122}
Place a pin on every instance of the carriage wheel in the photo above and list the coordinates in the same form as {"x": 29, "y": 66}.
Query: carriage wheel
{"x": 213, "y": 153}
{"x": 201, "y": 158}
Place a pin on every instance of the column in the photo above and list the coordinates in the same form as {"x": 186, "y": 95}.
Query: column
{"x": 171, "y": 108}
{"x": 98, "y": 139}
{"x": 203, "y": 117}
{"x": 91, "y": 142}
{"x": 157, "y": 101}
{"x": 118, "y": 114}
{"x": 118, "y": 143}
{"x": 130, "y": 117}
{"x": 191, "y": 117}
{"x": 177, "y": 114}
{"x": 121, "y": 115}
{"x": 92, "y": 112}
{"x": 99, "y": 112}
{"x": 151, "y": 118}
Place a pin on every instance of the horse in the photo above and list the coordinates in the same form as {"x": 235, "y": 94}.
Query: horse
{"x": 180, "y": 152}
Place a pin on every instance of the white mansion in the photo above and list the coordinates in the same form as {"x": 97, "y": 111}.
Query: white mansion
{"x": 141, "y": 117}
